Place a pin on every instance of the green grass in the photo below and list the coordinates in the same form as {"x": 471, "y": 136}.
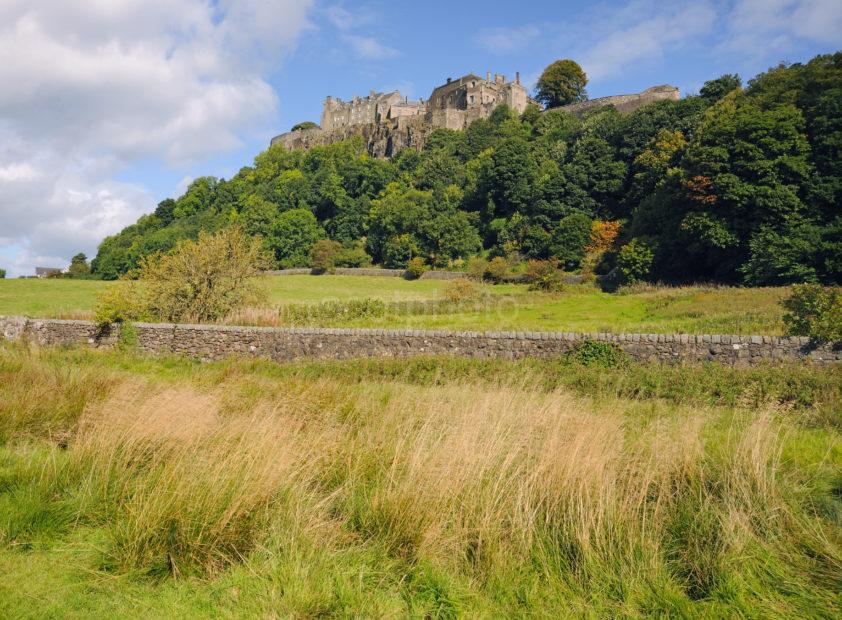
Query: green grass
{"x": 583, "y": 308}
{"x": 51, "y": 297}
{"x": 141, "y": 487}
{"x": 60, "y": 298}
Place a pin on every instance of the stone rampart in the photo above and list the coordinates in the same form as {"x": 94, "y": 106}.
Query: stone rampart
{"x": 213, "y": 342}
{"x": 626, "y": 104}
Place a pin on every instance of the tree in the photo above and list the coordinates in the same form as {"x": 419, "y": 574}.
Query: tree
{"x": 79, "y": 267}
{"x": 714, "y": 90}
{"x": 304, "y": 125}
{"x": 293, "y": 234}
{"x": 561, "y": 83}
{"x": 2, "y": 273}
{"x": 570, "y": 239}
{"x": 199, "y": 281}
{"x": 323, "y": 255}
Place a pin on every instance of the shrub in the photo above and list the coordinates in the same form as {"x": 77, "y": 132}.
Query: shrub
{"x": 323, "y": 255}
{"x": 634, "y": 261}
{"x": 416, "y": 267}
{"x": 544, "y": 275}
{"x": 314, "y": 314}
{"x": 353, "y": 256}
{"x": 124, "y": 301}
{"x": 498, "y": 269}
{"x": 2, "y": 273}
{"x": 203, "y": 280}
{"x": 398, "y": 250}
{"x": 461, "y": 291}
{"x": 602, "y": 354}
{"x": 477, "y": 267}
{"x": 814, "y": 311}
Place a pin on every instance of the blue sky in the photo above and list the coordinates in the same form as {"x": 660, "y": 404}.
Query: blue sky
{"x": 118, "y": 104}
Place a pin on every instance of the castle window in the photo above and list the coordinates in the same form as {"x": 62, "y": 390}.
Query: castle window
{"x": 472, "y": 98}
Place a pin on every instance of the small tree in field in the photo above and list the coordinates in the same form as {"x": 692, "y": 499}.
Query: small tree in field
{"x": 79, "y": 267}
{"x": 203, "y": 280}
{"x": 323, "y": 255}
{"x": 2, "y": 273}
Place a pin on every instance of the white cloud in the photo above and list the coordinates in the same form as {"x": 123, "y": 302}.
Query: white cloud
{"x": 369, "y": 48}
{"x": 93, "y": 87}
{"x": 507, "y": 40}
{"x": 643, "y": 32}
{"x": 609, "y": 40}
{"x": 760, "y": 28}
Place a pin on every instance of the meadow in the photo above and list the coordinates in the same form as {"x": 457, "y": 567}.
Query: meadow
{"x": 139, "y": 487}
{"x": 509, "y": 307}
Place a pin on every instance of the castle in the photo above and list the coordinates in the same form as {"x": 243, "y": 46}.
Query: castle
{"x": 453, "y": 105}
{"x": 389, "y": 122}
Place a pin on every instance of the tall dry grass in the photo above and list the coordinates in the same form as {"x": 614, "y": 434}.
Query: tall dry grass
{"x": 502, "y": 485}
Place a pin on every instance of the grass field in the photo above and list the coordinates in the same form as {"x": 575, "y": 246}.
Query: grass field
{"x": 137, "y": 487}
{"x": 511, "y": 307}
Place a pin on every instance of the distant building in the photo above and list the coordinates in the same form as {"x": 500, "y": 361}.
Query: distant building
{"x": 46, "y": 272}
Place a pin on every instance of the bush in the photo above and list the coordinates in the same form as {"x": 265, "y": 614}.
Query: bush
{"x": 398, "y": 250}
{"x": 477, "y": 268}
{"x": 498, "y": 269}
{"x": 601, "y": 354}
{"x": 325, "y": 312}
{"x": 353, "y": 256}
{"x": 2, "y": 273}
{"x": 323, "y": 255}
{"x": 461, "y": 291}
{"x": 634, "y": 261}
{"x": 416, "y": 267}
{"x": 544, "y": 275}
{"x": 203, "y": 280}
{"x": 124, "y": 301}
{"x": 814, "y": 311}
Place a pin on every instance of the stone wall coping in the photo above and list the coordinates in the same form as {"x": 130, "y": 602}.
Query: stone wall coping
{"x": 443, "y": 333}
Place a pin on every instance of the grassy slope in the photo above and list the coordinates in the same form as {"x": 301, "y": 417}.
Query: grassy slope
{"x": 579, "y": 308}
{"x": 396, "y": 511}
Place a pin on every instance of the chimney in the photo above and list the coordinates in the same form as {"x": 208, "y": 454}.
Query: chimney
{"x": 448, "y": 80}
{"x": 488, "y": 76}
{"x": 517, "y": 77}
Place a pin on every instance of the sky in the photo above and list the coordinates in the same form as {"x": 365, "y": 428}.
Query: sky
{"x": 109, "y": 106}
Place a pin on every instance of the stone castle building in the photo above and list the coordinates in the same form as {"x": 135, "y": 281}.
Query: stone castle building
{"x": 389, "y": 122}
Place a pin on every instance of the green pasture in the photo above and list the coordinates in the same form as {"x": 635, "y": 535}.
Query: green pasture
{"x": 585, "y": 308}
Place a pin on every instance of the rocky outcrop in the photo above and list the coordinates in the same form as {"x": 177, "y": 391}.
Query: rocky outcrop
{"x": 381, "y": 139}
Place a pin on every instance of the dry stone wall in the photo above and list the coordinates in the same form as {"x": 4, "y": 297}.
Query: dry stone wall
{"x": 213, "y": 342}
{"x": 371, "y": 271}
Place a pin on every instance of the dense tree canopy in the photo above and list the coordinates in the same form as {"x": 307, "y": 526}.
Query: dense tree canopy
{"x": 734, "y": 185}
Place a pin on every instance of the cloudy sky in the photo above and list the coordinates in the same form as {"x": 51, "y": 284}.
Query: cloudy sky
{"x": 109, "y": 106}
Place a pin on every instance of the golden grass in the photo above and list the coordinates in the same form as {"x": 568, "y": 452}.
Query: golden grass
{"x": 489, "y": 481}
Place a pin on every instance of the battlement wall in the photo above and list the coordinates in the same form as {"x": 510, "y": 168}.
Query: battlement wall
{"x": 627, "y": 103}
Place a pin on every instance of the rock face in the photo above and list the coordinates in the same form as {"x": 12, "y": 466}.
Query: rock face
{"x": 212, "y": 342}
{"x": 383, "y": 139}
